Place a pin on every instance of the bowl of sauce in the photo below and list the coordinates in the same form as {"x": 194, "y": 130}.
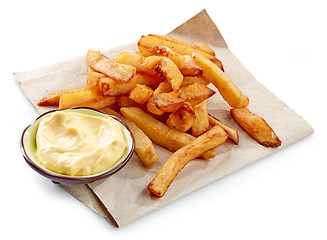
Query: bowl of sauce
{"x": 77, "y": 145}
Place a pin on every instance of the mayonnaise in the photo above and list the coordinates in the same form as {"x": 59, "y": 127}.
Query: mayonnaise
{"x": 76, "y": 144}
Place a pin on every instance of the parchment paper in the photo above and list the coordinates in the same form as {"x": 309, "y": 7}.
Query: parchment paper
{"x": 123, "y": 197}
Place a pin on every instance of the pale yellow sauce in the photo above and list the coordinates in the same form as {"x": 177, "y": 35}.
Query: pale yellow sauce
{"x": 77, "y": 144}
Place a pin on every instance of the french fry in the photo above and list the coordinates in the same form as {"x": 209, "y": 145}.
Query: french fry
{"x": 179, "y": 159}
{"x": 217, "y": 62}
{"x": 110, "y": 87}
{"x": 190, "y": 68}
{"x": 141, "y": 93}
{"x": 188, "y": 80}
{"x": 138, "y": 61}
{"x": 178, "y": 46}
{"x": 54, "y": 98}
{"x": 183, "y": 119}
{"x": 152, "y": 108}
{"x": 125, "y": 101}
{"x": 143, "y": 145}
{"x": 232, "y": 133}
{"x": 85, "y": 98}
{"x": 163, "y": 87}
{"x": 256, "y": 127}
{"x": 160, "y": 133}
{"x": 92, "y": 80}
{"x": 227, "y": 88}
{"x": 154, "y": 66}
{"x": 164, "y": 51}
{"x": 173, "y": 75}
{"x": 109, "y": 67}
{"x": 201, "y": 121}
{"x": 199, "y": 46}
{"x": 185, "y": 63}
{"x": 172, "y": 101}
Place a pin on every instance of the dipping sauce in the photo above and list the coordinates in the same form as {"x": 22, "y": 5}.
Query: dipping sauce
{"x": 76, "y": 144}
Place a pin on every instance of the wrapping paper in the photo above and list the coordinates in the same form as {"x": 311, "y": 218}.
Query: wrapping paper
{"x": 123, "y": 197}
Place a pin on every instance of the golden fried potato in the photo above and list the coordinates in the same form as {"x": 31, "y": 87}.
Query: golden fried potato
{"x": 160, "y": 133}
{"x": 182, "y": 119}
{"x": 173, "y": 75}
{"x": 125, "y": 101}
{"x": 163, "y": 87}
{"x": 256, "y": 127}
{"x": 232, "y": 133}
{"x": 199, "y": 46}
{"x": 172, "y": 101}
{"x": 218, "y": 63}
{"x": 85, "y": 98}
{"x": 178, "y": 46}
{"x": 152, "y": 108}
{"x": 164, "y": 51}
{"x": 227, "y": 88}
{"x": 54, "y": 98}
{"x": 185, "y": 63}
{"x": 188, "y": 80}
{"x": 138, "y": 61}
{"x": 190, "y": 68}
{"x": 201, "y": 121}
{"x": 141, "y": 93}
{"x": 143, "y": 145}
{"x": 92, "y": 80}
{"x": 178, "y": 160}
{"x": 155, "y": 66}
{"x": 109, "y": 67}
{"x": 110, "y": 87}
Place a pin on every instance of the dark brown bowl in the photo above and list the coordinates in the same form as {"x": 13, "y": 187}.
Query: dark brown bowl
{"x": 28, "y": 146}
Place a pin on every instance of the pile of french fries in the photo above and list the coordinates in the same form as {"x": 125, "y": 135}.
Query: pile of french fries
{"x": 161, "y": 93}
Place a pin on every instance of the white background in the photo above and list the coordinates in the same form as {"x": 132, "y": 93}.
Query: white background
{"x": 282, "y": 43}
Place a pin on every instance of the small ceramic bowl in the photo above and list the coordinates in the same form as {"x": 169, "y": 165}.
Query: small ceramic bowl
{"x": 28, "y": 147}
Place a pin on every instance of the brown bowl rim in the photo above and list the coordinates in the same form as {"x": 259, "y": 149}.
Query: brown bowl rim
{"x": 59, "y": 178}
